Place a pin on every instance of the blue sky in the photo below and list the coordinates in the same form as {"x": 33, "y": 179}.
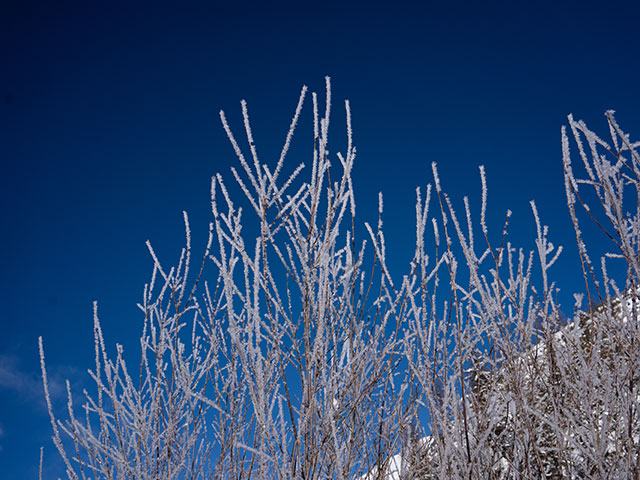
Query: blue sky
{"x": 109, "y": 128}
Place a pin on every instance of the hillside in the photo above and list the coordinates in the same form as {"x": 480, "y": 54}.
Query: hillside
{"x": 565, "y": 408}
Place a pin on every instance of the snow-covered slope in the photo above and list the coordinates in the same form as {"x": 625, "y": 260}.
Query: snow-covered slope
{"x": 568, "y": 407}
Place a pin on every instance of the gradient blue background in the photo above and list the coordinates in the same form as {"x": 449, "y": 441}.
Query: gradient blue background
{"x": 109, "y": 128}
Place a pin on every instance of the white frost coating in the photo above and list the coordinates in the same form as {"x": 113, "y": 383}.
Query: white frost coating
{"x": 436, "y": 178}
{"x": 291, "y": 353}
{"x": 483, "y": 211}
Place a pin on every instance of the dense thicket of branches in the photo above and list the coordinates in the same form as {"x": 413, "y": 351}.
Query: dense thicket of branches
{"x": 289, "y": 351}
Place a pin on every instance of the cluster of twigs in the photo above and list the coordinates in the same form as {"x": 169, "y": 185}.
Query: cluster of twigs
{"x": 291, "y": 353}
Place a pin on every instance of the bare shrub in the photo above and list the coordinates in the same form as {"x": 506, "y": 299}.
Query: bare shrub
{"x": 289, "y": 351}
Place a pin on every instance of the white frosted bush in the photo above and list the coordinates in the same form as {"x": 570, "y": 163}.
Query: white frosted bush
{"x": 293, "y": 352}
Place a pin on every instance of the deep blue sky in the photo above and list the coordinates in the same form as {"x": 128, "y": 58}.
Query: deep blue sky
{"x": 109, "y": 128}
